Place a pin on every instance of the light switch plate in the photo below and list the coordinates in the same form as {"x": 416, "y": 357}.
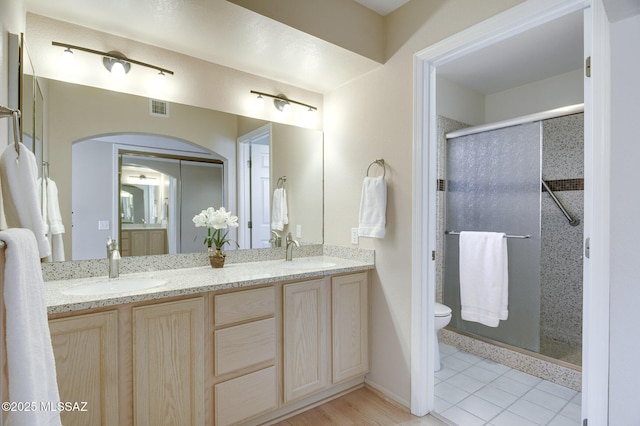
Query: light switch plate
{"x": 298, "y": 231}
{"x": 354, "y": 236}
{"x": 103, "y": 225}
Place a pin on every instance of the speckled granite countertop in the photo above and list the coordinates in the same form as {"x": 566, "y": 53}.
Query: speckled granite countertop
{"x": 198, "y": 280}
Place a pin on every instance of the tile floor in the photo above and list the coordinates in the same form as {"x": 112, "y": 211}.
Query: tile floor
{"x": 471, "y": 391}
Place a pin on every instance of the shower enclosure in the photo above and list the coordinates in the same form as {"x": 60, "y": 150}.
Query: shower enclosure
{"x": 494, "y": 182}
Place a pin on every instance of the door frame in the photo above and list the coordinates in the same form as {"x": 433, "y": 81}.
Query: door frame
{"x": 520, "y": 18}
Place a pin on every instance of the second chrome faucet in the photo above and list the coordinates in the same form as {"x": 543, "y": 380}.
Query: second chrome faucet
{"x": 289, "y": 248}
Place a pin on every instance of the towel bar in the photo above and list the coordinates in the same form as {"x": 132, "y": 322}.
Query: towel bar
{"x": 506, "y": 236}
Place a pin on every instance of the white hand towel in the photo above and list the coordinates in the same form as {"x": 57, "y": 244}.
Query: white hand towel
{"x": 373, "y": 207}
{"x": 30, "y": 362}
{"x": 484, "y": 277}
{"x": 53, "y": 209}
{"x": 279, "y": 212}
{"x": 19, "y": 177}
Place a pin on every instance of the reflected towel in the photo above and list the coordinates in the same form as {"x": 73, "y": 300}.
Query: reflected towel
{"x": 54, "y": 228}
{"x": 373, "y": 207}
{"x": 19, "y": 177}
{"x": 484, "y": 277}
{"x": 30, "y": 362}
{"x": 279, "y": 212}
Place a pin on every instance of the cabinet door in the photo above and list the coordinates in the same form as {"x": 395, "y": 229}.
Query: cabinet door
{"x": 85, "y": 348}
{"x": 138, "y": 243}
{"x": 168, "y": 363}
{"x": 306, "y": 338}
{"x": 157, "y": 243}
{"x": 350, "y": 304}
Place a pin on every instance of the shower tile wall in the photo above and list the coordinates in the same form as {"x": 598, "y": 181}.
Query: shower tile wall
{"x": 561, "y": 262}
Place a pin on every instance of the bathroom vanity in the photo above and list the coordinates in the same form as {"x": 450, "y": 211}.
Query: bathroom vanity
{"x": 240, "y": 345}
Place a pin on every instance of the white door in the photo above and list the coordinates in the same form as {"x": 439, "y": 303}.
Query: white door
{"x": 254, "y": 187}
{"x": 260, "y": 196}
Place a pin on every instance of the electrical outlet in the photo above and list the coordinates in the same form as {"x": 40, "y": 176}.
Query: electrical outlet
{"x": 298, "y": 231}
{"x": 354, "y": 236}
{"x": 103, "y": 225}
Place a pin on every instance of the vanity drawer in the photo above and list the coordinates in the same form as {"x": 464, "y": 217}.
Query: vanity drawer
{"x": 245, "y": 345}
{"x": 245, "y": 397}
{"x": 244, "y": 305}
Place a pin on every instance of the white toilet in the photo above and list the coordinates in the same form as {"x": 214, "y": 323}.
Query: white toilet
{"x": 443, "y": 316}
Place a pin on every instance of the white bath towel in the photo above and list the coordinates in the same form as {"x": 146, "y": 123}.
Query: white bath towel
{"x": 484, "y": 277}
{"x": 30, "y": 362}
{"x": 52, "y": 218}
{"x": 19, "y": 178}
{"x": 373, "y": 207}
{"x": 279, "y": 212}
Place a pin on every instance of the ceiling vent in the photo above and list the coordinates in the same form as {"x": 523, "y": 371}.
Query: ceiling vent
{"x": 158, "y": 108}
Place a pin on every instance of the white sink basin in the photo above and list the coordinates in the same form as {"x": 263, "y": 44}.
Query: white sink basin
{"x": 114, "y": 286}
{"x": 307, "y": 264}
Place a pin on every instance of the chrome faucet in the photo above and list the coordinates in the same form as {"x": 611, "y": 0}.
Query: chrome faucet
{"x": 113, "y": 258}
{"x": 290, "y": 243}
{"x": 276, "y": 240}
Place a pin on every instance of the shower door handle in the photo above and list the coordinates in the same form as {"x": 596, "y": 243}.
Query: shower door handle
{"x": 587, "y": 248}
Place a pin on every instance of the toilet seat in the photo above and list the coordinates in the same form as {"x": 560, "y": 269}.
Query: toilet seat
{"x": 442, "y": 310}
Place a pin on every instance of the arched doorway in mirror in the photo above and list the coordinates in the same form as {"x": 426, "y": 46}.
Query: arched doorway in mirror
{"x": 142, "y": 190}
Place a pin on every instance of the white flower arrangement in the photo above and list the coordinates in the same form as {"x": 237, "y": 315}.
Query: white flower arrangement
{"x": 218, "y": 220}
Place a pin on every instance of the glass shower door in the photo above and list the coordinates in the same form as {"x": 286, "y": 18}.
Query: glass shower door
{"x": 493, "y": 184}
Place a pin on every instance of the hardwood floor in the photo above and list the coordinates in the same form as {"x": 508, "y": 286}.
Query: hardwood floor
{"x": 360, "y": 407}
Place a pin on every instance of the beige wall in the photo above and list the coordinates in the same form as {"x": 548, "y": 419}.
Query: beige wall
{"x": 195, "y": 82}
{"x": 297, "y": 154}
{"x": 371, "y": 118}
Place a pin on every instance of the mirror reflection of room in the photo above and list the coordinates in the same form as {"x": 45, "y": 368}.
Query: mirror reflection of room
{"x": 77, "y": 111}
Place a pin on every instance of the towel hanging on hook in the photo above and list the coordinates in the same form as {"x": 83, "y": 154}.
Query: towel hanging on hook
{"x": 379, "y": 162}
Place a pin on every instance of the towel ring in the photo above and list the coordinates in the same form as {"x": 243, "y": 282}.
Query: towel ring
{"x": 380, "y": 163}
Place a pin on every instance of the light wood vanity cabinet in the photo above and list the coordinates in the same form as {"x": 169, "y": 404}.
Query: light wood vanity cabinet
{"x": 307, "y": 338}
{"x": 350, "y": 324}
{"x": 141, "y": 242}
{"x": 85, "y": 349}
{"x": 221, "y": 358}
{"x": 141, "y": 365}
{"x": 168, "y": 363}
{"x": 245, "y": 354}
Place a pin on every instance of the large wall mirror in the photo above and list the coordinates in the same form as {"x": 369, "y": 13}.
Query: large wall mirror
{"x": 124, "y": 171}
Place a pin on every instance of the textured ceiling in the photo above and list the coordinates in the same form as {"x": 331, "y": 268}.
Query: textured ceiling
{"x": 224, "y": 33}
{"x": 216, "y": 31}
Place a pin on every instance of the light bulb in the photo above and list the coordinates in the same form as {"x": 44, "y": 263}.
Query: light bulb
{"x": 67, "y": 58}
{"x": 117, "y": 70}
{"x": 259, "y": 102}
{"x": 161, "y": 80}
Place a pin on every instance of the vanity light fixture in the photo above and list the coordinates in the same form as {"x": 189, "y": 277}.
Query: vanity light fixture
{"x": 117, "y": 63}
{"x": 281, "y": 102}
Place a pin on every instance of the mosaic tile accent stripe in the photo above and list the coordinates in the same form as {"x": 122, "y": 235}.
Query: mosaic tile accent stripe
{"x": 565, "y": 185}
{"x": 555, "y": 185}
